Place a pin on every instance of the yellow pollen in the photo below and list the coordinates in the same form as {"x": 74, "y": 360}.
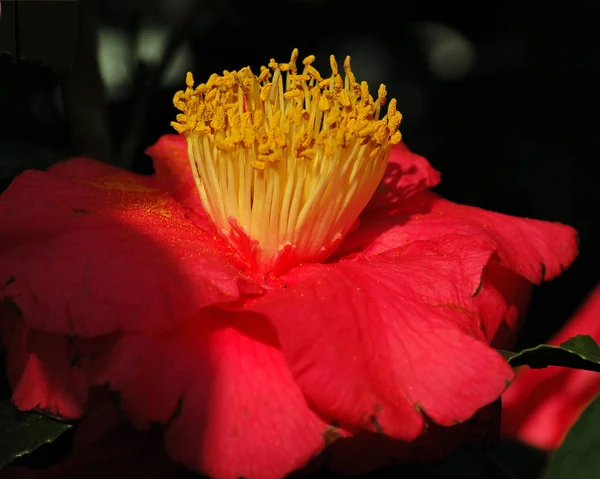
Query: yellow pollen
{"x": 285, "y": 161}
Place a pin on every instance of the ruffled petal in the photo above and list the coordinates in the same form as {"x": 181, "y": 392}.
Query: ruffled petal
{"x": 537, "y": 250}
{"x": 44, "y": 371}
{"x": 406, "y": 174}
{"x": 83, "y": 170}
{"x": 377, "y": 341}
{"x": 173, "y": 170}
{"x": 503, "y": 291}
{"x": 541, "y": 405}
{"x": 105, "y": 251}
{"x": 222, "y": 385}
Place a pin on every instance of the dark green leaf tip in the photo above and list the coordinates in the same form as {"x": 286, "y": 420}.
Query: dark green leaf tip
{"x": 21, "y": 433}
{"x": 578, "y": 352}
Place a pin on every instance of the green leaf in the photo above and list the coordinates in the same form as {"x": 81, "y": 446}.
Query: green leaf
{"x": 579, "y": 455}
{"x": 578, "y": 352}
{"x": 23, "y": 432}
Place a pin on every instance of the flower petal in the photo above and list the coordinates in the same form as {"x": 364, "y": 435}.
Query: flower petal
{"x": 90, "y": 256}
{"x": 84, "y": 170}
{"x": 42, "y": 372}
{"x": 236, "y": 409}
{"x": 541, "y": 405}
{"x": 502, "y": 290}
{"x": 173, "y": 169}
{"x": 406, "y": 174}
{"x": 537, "y": 250}
{"x": 376, "y": 341}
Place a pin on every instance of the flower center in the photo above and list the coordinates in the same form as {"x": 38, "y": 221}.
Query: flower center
{"x": 284, "y": 166}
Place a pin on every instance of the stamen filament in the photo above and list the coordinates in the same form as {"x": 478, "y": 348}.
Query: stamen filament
{"x": 284, "y": 167}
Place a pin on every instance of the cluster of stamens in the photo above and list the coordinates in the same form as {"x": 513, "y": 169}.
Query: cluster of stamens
{"x": 284, "y": 166}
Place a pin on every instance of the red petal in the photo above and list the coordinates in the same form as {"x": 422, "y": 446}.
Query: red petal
{"x": 536, "y": 250}
{"x": 106, "y": 251}
{"x": 238, "y": 410}
{"x": 173, "y": 170}
{"x": 406, "y": 174}
{"x": 374, "y": 342}
{"x": 44, "y": 371}
{"x": 514, "y": 291}
{"x": 84, "y": 170}
{"x": 541, "y": 405}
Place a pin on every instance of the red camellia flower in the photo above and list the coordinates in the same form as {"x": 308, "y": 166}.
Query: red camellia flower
{"x": 541, "y": 405}
{"x": 285, "y": 279}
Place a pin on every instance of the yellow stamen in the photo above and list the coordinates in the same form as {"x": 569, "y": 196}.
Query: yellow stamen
{"x": 284, "y": 166}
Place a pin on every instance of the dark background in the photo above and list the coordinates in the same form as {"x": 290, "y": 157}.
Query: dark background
{"x": 498, "y": 96}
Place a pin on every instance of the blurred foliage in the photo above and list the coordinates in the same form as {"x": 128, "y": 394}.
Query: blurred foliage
{"x": 579, "y": 455}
